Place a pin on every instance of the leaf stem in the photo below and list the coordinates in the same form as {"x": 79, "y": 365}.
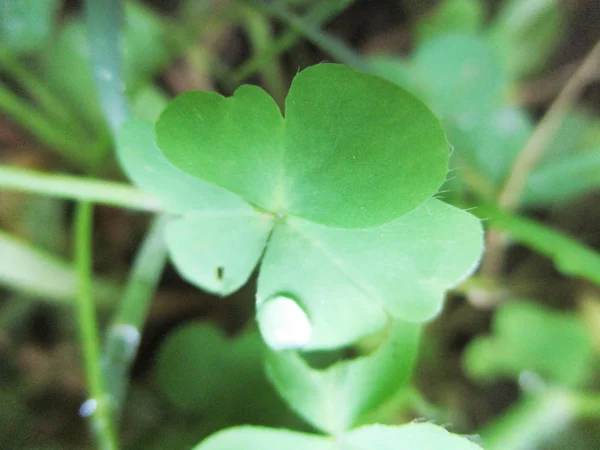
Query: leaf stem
{"x": 97, "y": 407}
{"x": 77, "y": 188}
{"x": 124, "y": 334}
{"x": 336, "y": 48}
{"x": 317, "y": 15}
{"x": 260, "y": 36}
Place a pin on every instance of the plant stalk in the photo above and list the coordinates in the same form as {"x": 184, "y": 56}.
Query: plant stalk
{"x": 97, "y": 408}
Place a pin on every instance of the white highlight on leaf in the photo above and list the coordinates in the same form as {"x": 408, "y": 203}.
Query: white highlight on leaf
{"x": 283, "y": 324}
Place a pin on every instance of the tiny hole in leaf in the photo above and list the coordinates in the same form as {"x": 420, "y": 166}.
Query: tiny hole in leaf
{"x": 220, "y": 273}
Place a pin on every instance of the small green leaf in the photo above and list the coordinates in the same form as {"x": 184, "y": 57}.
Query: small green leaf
{"x": 560, "y": 181}
{"x": 218, "y": 251}
{"x": 526, "y": 32}
{"x": 334, "y": 399}
{"x": 179, "y": 192}
{"x": 347, "y": 281}
{"x": 145, "y": 53}
{"x": 423, "y": 436}
{"x": 354, "y": 151}
{"x": 570, "y": 257}
{"x": 461, "y": 75}
{"x": 451, "y": 17}
{"x": 527, "y": 337}
{"x": 489, "y": 143}
{"x": 202, "y": 371}
{"x": 26, "y": 25}
{"x": 35, "y": 272}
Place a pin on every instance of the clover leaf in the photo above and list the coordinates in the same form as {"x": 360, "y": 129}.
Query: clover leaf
{"x": 353, "y": 151}
{"x": 337, "y": 196}
{"x": 422, "y": 436}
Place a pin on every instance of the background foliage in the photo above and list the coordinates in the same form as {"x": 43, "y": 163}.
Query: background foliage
{"x": 512, "y": 358}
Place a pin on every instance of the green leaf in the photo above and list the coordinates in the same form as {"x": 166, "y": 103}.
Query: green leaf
{"x": 570, "y": 257}
{"x": 560, "y": 181}
{"x": 424, "y": 436}
{"x": 525, "y": 33}
{"x": 334, "y": 399}
{"x": 26, "y": 25}
{"x": 491, "y": 142}
{"x": 347, "y": 281}
{"x": 202, "y": 371}
{"x": 219, "y": 240}
{"x": 148, "y": 103}
{"x": 218, "y": 251}
{"x": 145, "y": 53}
{"x": 527, "y": 337}
{"x": 354, "y": 151}
{"x": 35, "y": 272}
{"x": 461, "y": 75}
{"x": 179, "y": 192}
{"x": 450, "y": 17}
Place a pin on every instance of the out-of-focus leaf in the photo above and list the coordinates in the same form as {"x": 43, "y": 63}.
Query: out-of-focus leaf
{"x": 578, "y": 132}
{"x": 564, "y": 179}
{"x": 489, "y": 143}
{"x": 450, "y": 17}
{"x": 26, "y": 25}
{"x": 202, "y": 371}
{"x": 526, "y": 32}
{"x": 396, "y": 70}
{"x": 569, "y": 256}
{"x": 148, "y": 103}
{"x": 529, "y": 338}
{"x": 423, "y": 436}
{"x": 145, "y": 52}
{"x": 335, "y": 398}
{"x": 461, "y": 76}
{"x": 35, "y": 272}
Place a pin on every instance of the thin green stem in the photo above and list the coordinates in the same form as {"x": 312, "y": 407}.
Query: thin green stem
{"x": 51, "y": 103}
{"x": 32, "y": 121}
{"x": 104, "y": 21}
{"x": 124, "y": 333}
{"x": 98, "y": 406}
{"x": 317, "y": 15}
{"x": 77, "y": 188}
{"x": 336, "y": 48}
{"x": 260, "y": 35}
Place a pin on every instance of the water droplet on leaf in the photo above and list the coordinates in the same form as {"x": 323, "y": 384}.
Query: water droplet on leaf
{"x": 88, "y": 407}
{"x": 283, "y": 323}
